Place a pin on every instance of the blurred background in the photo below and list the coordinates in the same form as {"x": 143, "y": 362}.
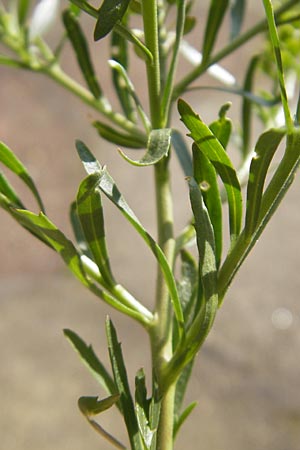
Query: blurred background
{"x": 246, "y": 378}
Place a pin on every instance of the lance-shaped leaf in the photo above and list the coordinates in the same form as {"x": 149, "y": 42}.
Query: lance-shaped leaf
{"x": 23, "y": 8}
{"x": 182, "y": 153}
{"x": 109, "y": 188}
{"x": 182, "y": 418}
{"x": 237, "y": 12}
{"x": 119, "y": 53}
{"x": 206, "y": 177}
{"x": 265, "y": 149}
{"x": 82, "y": 52}
{"x": 90, "y": 212}
{"x": 214, "y": 20}
{"x": 247, "y": 104}
{"x": 117, "y": 137}
{"x": 91, "y": 361}
{"x": 8, "y": 191}
{"x": 274, "y": 193}
{"x": 187, "y": 285}
{"x": 9, "y": 159}
{"x": 77, "y": 230}
{"x": 158, "y": 146}
{"x": 222, "y": 127}
{"x": 91, "y": 406}
{"x": 142, "y": 409}
{"x": 110, "y": 12}
{"x": 214, "y": 151}
{"x": 121, "y": 381}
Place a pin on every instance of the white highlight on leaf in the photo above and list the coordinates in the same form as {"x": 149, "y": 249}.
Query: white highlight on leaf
{"x": 282, "y": 318}
{"x": 195, "y": 57}
{"x": 43, "y": 17}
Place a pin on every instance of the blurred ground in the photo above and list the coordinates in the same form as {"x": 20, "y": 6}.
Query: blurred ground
{"x": 246, "y": 378}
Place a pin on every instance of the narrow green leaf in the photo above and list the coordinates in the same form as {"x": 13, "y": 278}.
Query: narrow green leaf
{"x": 186, "y": 413}
{"x": 205, "y": 242}
{"x": 8, "y": 191}
{"x": 142, "y": 409}
{"x": 109, "y": 188}
{"x": 157, "y": 148}
{"x": 121, "y": 381}
{"x": 91, "y": 406}
{"x": 222, "y": 127}
{"x": 78, "y": 233}
{"x": 187, "y": 285}
{"x": 90, "y": 212}
{"x": 209, "y": 145}
{"x": 265, "y": 149}
{"x": 118, "y": 138}
{"x": 119, "y": 53}
{"x": 214, "y": 20}
{"x": 91, "y": 361}
{"x": 109, "y": 13}
{"x": 9, "y": 159}
{"x": 23, "y": 8}
{"x": 237, "y": 12}
{"x": 141, "y": 50}
{"x": 86, "y": 7}
{"x": 206, "y": 178}
{"x": 181, "y": 387}
{"x": 247, "y": 105}
{"x": 82, "y": 52}
{"x": 182, "y": 153}
{"x": 277, "y": 54}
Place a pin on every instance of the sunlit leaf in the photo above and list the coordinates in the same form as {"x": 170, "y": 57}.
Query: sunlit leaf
{"x": 158, "y": 146}
{"x": 91, "y": 406}
{"x": 9, "y": 159}
{"x": 82, "y": 52}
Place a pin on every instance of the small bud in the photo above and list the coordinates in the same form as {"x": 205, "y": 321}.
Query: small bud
{"x": 44, "y": 15}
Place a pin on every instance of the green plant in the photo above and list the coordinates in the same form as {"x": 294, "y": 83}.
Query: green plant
{"x": 186, "y": 304}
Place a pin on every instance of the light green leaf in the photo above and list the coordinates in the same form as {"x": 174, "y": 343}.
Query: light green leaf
{"x": 91, "y": 361}
{"x": 109, "y": 13}
{"x": 142, "y": 409}
{"x": 157, "y": 148}
{"x": 91, "y": 406}
{"x": 90, "y": 212}
{"x": 209, "y": 145}
{"x": 182, "y": 418}
{"x": 82, "y": 52}
{"x": 214, "y": 21}
{"x": 181, "y": 387}
{"x": 222, "y": 127}
{"x": 23, "y": 8}
{"x": 8, "y": 191}
{"x": 121, "y": 381}
{"x": 187, "y": 285}
{"x": 9, "y": 159}
{"x": 206, "y": 178}
{"x": 265, "y": 149}
{"x": 116, "y": 137}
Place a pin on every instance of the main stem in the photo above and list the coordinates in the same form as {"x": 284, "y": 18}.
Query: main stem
{"x": 161, "y": 334}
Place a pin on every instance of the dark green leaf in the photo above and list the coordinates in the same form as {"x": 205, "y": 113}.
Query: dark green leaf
{"x": 189, "y": 24}
{"x": 88, "y": 160}
{"x": 86, "y": 7}
{"x": 142, "y": 409}
{"x": 119, "y": 53}
{"x": 237, "y": 12}
{"x": 265, "y": 149}
{"x": 209, "y": 145}
{"x": 23, "y": 8}
{"x": 187, "y": 285}
{"x": 186, "y": 413}
{"x": 118, "y": 138}
{"x": 214, "y": 20}
{"x": 92, "y": 362}
{"x": 90, "y": 212}
{"x": 91, "y": 406}
{"x": 206, "y": 177}
{"x": 121, "y": 381}
{"x": 222, "y": 127}
{"x": 78, "y": 233}
{"x": 82, "y": 52}
{"x": 182, "y": 153}
{"x": 158, "y": 146}
{"x": 181, "y": 387}
{"x": 109, "y": 13}
{"x": 247, "y": 105}
{"x": 9, "y": 159}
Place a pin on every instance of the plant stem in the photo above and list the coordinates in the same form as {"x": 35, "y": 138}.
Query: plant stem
{"x": 161, "y": 333}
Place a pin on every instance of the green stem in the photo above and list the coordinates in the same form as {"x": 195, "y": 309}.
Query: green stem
{"x": 235, "y": 44}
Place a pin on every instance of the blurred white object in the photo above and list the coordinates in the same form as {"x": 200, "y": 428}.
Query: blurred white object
{"x": 43, "y": 17}
{"x": 194, "y": 57}
{"x": 282, "y": 318}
